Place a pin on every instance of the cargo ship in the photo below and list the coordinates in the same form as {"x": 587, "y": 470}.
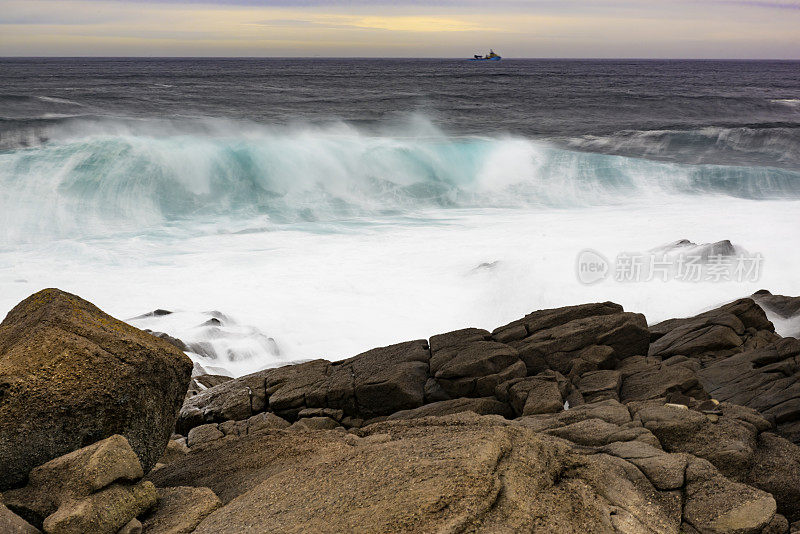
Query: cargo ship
{"x": 491, "y": 56}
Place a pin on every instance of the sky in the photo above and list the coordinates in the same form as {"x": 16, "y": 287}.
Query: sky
{"x": 746, "y": 29}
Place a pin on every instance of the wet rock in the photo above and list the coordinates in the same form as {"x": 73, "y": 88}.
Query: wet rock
{"x": 702, "y": 251}
{"x": 71, "y": 375}
{"x": 585, "y": 344}
{"x": 230, "y": 400}
{"x": 712, "y": 335}
{"x": 783, "y": 306}
{"x": 474, "y": 369}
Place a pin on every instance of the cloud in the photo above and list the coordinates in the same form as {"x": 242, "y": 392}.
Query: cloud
{"x": 516, "y": 28}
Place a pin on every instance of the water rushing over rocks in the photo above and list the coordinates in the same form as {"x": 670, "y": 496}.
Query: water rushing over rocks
{"x": 576, "y": 419}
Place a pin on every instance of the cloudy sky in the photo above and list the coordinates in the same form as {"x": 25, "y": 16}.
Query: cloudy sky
{"x": 436, "y": 28}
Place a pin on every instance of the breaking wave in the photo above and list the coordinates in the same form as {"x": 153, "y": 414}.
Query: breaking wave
{"x": 93, "y": 178}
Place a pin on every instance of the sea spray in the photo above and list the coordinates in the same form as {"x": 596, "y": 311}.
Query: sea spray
{"x": 121, "y": 178}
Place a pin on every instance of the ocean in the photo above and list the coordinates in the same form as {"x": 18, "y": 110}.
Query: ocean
{"x": 322, "y": 207}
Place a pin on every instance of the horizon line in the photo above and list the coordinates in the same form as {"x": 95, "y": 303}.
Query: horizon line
{"x": 622, "y": 58}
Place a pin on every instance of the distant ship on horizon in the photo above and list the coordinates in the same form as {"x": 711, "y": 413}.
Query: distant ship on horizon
{"x": 491, "y": 56}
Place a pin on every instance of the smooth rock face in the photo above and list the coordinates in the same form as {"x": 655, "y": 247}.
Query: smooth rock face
{"x": 71, "y": 375}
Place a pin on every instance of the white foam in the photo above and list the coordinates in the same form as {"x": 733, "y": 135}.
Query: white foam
{"x": 333, "y": 291}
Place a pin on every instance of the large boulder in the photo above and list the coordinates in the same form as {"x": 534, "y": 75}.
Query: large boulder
{"x": 94, "y": 489}
{"x": 461, "y": 472}
{"x": 71, "y": 375}
{"x": 74, "y": 476}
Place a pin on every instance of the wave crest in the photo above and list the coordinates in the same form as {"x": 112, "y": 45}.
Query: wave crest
{"x": 120, "y": 178}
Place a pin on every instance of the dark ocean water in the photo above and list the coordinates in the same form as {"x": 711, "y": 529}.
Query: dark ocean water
{"x": 722, "y": 112}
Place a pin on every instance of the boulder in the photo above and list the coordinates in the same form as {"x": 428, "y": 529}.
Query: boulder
{"x": 461, "y": 472}
{"x": 547, "y": 392}
{"x": 104, "y": 512}
{"x": 584, "y": 344}
{"x": 381, "y": 389}
{"x": 545, "y": 319}
{"x": 266, "y": 421}
{"x": 781, "y": 305}
{"x": 176, "y": 449}
{"x": 180, "y": 510}
{"x": 74, "y": 476}
{"x": 665, "y": 471}
{"x": 474, "y": 368}
{"x": 71, "y": 375}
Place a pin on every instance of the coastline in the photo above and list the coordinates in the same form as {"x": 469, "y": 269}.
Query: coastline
{"x": 582, "y": 418}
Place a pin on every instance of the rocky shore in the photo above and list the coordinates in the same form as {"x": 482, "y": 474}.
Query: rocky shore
{"x": 577, "y": 419}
